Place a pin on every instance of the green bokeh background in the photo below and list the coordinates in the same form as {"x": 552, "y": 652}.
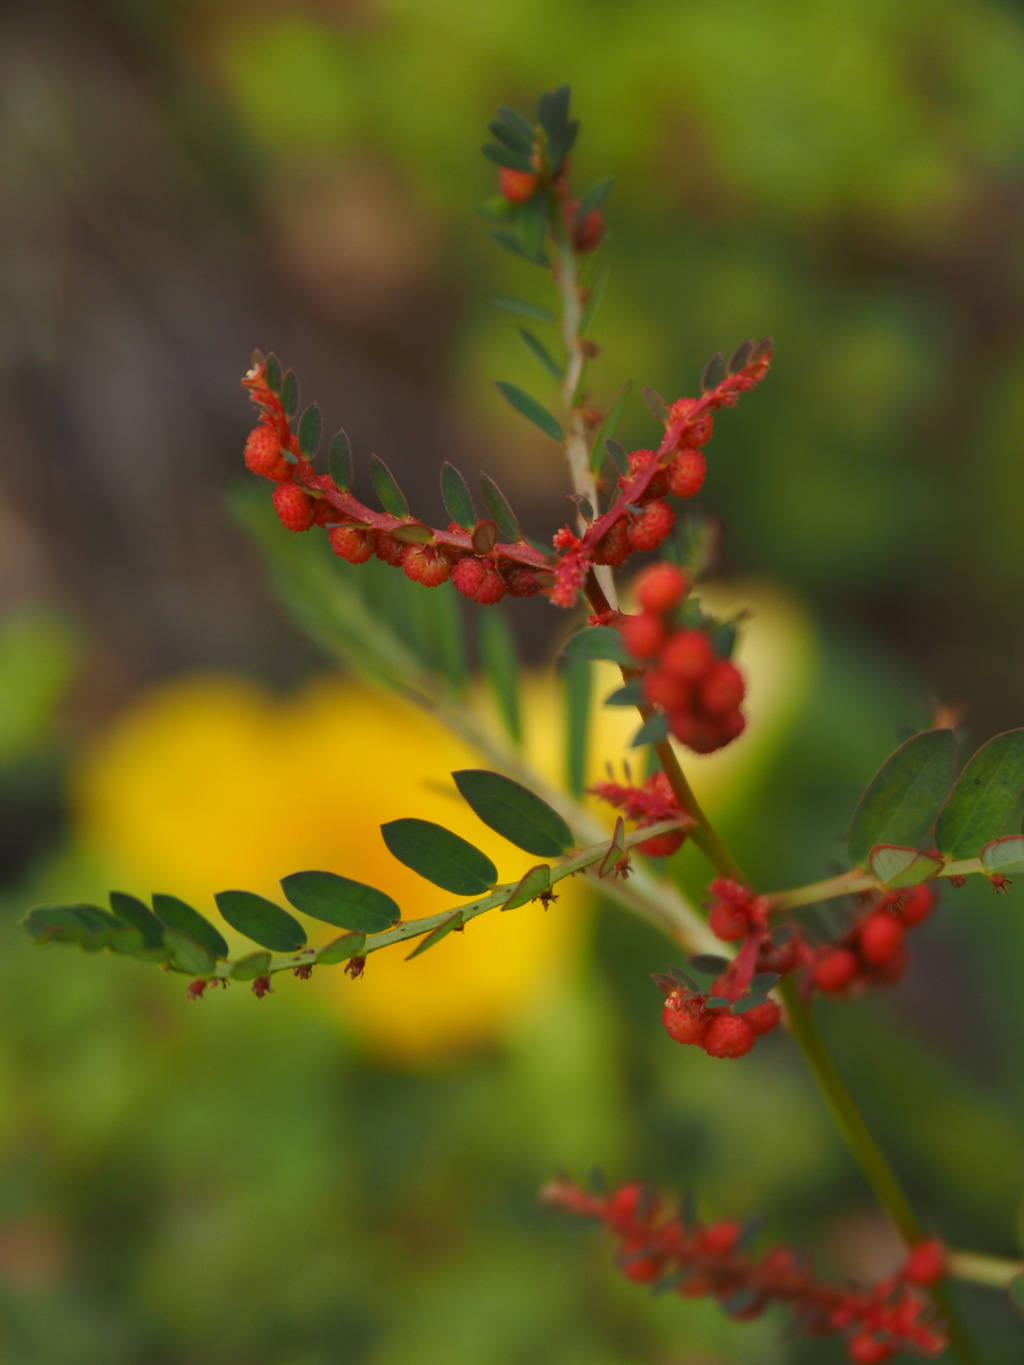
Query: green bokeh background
{"x": 184, "y": 1186}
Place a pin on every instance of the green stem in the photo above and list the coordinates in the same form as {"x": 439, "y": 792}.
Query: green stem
{"x": 993, "y": 1271}
{"x": 849, "y": 883}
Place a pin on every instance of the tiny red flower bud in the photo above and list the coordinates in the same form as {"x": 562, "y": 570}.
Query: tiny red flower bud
{"x": 195, "y": 989}
{"x": 662, "y": 845}
{"x": 587, "y": 234}
{"x": 686, "y": 473}
{"x": 426, "y": 564}
{"x": 729, "y": 1036}
{"x": 304, "y": 971}
{"x": 517, "y": 186}
{"x": 723, "y": 688}
{"x": 865, "y": 1349}
{"x": 916, "y": 904}
{"x": 763, "y": 1018}
{"x": 351, "y": 542}
{"x": 835, "y": 970}
{"x": 719, "y": 1239}
{"x": 780, "y": 958}
{"x": 293, "y": 506}
{"x": 728, "y": 922}
{"x": 624, "y": 1205}
{"x": 661, "y": 587}
{"x": 688, "y": 655}
{"x": 926, "y": 1263}
{"x": 881, "y": 938}
{"x": 261, "y": 987}
{"x": 652, "y": 526}
{"x": 263, "y": 454}
{"x": 642, "y": 635}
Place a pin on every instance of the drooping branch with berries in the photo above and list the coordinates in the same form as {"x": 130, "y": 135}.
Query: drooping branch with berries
{"x": 752, "y": 963}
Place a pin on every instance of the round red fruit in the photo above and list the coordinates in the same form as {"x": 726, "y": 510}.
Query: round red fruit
{"x": 293, "y": 506}
{"x": 881, "y": 938}
{"x": 686, "y": 473}
{"x": 389, "y": 549}
{"x": 780, "y": 958}
{"x": 835, "y": 971}
{"x": 763, "y": 1018}
{"x": 351, "y": 542}
{"x": 865, "y": 1349}
{"x": 426, "y": 564}
{"x": 642, "y": 635}
{"x": 522, "y": 582}
{"x": 662, "y": 845}
{"x": 468, "y": 574}
{"x": 662, "y": 688}
{"x": 491, "y": 588}
{"x": 614, "y": 546}
{"x": 719, "y": 1239}
{"x": 517, "y": 186}
{"x": 916, "y": 904}
{"x": 638, "y": 461}
{"x": 652, "y": 526}
{"x": 688, "y": 655}
{"x": 263, "y": 453}
{"x": 728, "y": 922}
{"x": 729, "y": 1036}
{"x": 685, "y": 1020}
{"x": 661, "y": 587}
{"x": 626, "y": 1203}
{"x": 636, "y": 1265}
{"x": 722, "y": 689}
{"x": 926, "y": 1263}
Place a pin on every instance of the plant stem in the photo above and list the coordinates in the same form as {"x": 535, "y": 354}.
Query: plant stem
{"x": 993, "y": 1271}
{"x": 849, "y": 883}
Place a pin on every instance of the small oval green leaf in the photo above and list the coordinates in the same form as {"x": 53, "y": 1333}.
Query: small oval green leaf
{"x": 456, "y": 921}
{"x": 530, "y": 409}
{"x": 523, "y": 308}
{"x": 392, "y": 499}
{"x": 531, "y": 885}
{"x": 458, "y": 500}
{"x": 1004, "y": 855}
{"x": 515, "y": 812}
{"x": 136, "y": 913}
{"x": 439, "y": 855}
{"x": 985, "y": 796}
{"x": 272, "y": 373}
{"x": 261, "y": 920}
{"x": 498, "y": 506}
{"x": 339, "y": 460}
{"x": 341, "y": 949}
{"x": 896, "y": 867}
{"x": 311, "y": 429}
{"x": 902, "y": 800}
{"x": 175, "y": 914}
{"x": 597, "y": 642}
{"x": 249, "y": 968}
{"x": 290, "y": 394}
{"x": 187, "y": 954}
{"x": 653, "y": 731}
{"x": 341, "y": 901}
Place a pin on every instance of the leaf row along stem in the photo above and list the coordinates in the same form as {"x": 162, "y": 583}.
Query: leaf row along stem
{"x": 496, "y": 899}
{"x": 854, "y": 881}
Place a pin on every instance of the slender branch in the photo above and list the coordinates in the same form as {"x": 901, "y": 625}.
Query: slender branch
{"x": 849, "y": 883}
{"x": 993, "y": 1271}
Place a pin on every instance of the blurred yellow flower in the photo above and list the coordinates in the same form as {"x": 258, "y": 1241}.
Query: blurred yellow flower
{"x": 213, "y": 783}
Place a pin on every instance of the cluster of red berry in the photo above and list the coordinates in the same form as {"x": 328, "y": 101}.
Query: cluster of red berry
{"x": 874, "y": 951}
{"x": 647, "y": 805}
{"x": 699, "y": 691}
{"x": 688, "y": 1257}
{"x": 710, "y": 1020}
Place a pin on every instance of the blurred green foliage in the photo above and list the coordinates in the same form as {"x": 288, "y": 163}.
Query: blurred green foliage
{"x": 226, "y": 1182}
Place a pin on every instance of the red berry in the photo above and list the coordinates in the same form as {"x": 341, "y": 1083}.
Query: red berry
{"x": 293, "y": 506}
{"x": 614, "y": 546}
{"x": 865, "y": 1349}
{"x": 685, "y": 1020}
{"x": 729, "y": 1036}
{"x": 780, "y": 958}
{"x": 697, "y": 433}
{"x": 517, "y": 186}
{"x": 731, "y": 726}
{"x": 324, "y": 513}
{"x": 893, "y": 969}
{"x": 622, "y": 1207}
{"x": 926, "y": 1263}
{"x": 389, "y": 549}
{"x": 662, "y": 845}
{"x": 642, "y": 635}
{"x": 835, "y": 970}
{"x": 916, "y": 904}
{"x": 728, "y": 922}
{"x": 521, "y": 582}
{"x": 639, "y": 460}
{"x": 661, "y": 587}
{"x": 351, "y": 542}
{"x": 587, "y": 235}
{"x": 263, "y": 453}
{"x": 688, "y": 655}
{"x": 881, "y": 938}
{"x": 719, "y": 1239}
{"x": 635, "y": 1264}
{"x": 763, "y": 1018}
{"x": 491, "y": 588}
{"x": 696, "y": 733}
{"x": 426, "y": 564}
{"x": 468, "y": 574}
{"x": 652, "y": 526}
{"x": 665, "y": 689}
{"x": 686, "y": 473}
{"x": 722, "y": 689}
